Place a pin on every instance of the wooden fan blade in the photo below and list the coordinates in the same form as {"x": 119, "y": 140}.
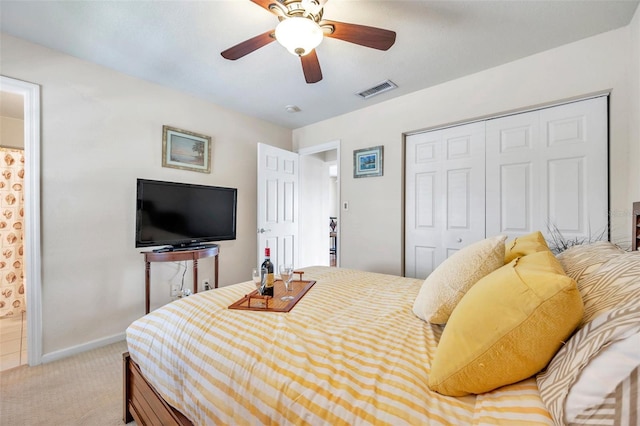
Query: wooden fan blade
{"x": 376, "y": 38}
{"x": 311, "y": 67}
{"x": 264, "y": 3}
{"x": 248, "y": 46}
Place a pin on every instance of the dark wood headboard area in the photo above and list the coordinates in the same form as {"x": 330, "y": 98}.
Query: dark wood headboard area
{"x": 635, "y": 224}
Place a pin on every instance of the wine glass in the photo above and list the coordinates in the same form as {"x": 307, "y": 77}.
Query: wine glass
{"x": 286, "y": 274}
{"x": 257, "y": 276}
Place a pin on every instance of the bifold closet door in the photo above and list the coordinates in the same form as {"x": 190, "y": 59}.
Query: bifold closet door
{"x": 548, "y": 169}
{"x": 444, "y": 195}
{"x": 539, "y": 170}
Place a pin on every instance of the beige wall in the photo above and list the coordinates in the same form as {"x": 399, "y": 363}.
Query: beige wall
{"x": 100, "y": 131}
{"x": 372, "y": 228}
{"x": 11, "y": 132}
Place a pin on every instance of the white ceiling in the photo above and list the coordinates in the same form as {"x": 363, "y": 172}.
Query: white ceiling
{"x": 178, "y": 44}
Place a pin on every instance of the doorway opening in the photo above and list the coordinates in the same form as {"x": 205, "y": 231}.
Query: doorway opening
{"x": 319, "y": 205}
{"x": 13, "y": 333}
{"x": 29, "y": 94}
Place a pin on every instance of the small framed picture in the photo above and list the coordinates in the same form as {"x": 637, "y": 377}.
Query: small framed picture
{"x": 367, "y": 162}
{"x": 185, "y": 150}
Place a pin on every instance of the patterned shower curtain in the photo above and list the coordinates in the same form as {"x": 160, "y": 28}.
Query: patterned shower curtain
{"x": 12, "y": 282}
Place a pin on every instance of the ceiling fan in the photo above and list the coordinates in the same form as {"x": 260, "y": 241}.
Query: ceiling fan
{"x": 301, "y": 30}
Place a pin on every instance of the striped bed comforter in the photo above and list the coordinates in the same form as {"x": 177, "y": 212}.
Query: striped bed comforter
{"x": 350, "y": 352}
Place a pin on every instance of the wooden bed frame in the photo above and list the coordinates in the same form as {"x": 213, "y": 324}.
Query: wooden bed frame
{"x": 143, "y": 403}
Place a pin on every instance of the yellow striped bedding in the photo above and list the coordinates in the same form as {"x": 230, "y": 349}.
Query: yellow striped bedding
{"x": 351, "y": 352}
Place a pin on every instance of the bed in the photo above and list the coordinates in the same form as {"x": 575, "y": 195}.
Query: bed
{"x": 352, "y": 351}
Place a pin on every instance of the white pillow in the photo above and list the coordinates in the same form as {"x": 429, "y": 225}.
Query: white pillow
{"x": 444, "y": 287}
{"x": 575, "y": 358}
{"x": 602, "y": 375}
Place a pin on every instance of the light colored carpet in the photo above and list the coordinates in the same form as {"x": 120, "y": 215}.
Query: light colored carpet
{"x": 85, "y": 389}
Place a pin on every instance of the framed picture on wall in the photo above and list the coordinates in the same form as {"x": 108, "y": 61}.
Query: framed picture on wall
{"x": 186, "y": 150}
{"x": 367, "y": 162}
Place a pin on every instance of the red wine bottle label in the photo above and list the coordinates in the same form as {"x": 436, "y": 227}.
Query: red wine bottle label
{"x": 269, "y": 280}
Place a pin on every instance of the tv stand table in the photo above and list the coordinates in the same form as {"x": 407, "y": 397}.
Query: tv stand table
{"x": 177, "y": 256}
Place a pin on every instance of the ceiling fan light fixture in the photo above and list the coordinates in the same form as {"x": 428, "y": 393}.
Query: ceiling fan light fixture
{"x": 299, "y": 35}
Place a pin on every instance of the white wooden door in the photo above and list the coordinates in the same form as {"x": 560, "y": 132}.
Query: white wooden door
{"x": 445, "y": 193}
{"x": 514, "y": 187}
{"x": 278, "y": 178}
{"x": 549, "y": 168}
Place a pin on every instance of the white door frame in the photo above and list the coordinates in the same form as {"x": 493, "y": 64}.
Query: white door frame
{"x": 329, "y": 146}
{"x": 31, "y": 94}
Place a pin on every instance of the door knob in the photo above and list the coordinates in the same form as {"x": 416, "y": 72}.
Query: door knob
{"x": 459, "y": 240}
{"x": 262, "y": 230}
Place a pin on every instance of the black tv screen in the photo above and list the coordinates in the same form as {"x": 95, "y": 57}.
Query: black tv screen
{"x": 183, "y": 215}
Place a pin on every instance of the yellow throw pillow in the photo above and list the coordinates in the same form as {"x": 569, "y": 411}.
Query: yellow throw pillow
{"x": 507, "y": 327}
{"x": 445, "y": 286}
{"x": 522, "y": 246}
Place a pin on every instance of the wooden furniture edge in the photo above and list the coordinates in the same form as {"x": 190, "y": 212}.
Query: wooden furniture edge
{"x": 175, "y": 256}
{"x": 635, "y": 226}
{"x": 246, "y": 299}
{"x": 142, "y": 403}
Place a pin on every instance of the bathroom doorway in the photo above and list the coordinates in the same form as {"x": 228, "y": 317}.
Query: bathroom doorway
{"x": 13, "y": 331}
{"x": 16, "y": 96}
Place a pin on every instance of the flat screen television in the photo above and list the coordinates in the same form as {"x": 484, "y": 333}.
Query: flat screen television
{"x": 182, "y": 215}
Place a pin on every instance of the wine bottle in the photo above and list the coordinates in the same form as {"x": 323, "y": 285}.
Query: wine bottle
{"x": 268, "y": 266}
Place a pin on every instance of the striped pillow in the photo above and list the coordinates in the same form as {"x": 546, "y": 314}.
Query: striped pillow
{"x": 595, "y": 389}
{"x": 572, "y": 359}
{"x": 620, "y": 407}
{"x": 612, "y": 285}
{"x": 582, "y": 260}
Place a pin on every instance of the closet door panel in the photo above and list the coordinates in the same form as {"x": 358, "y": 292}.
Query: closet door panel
{"x": 464, "y": 172}
{"x": 444, "y": 186}
{"x": 512, "y": 145}
{"x": 458, "y": 200}
{"x": 566, "y": 194}
{"x": 427, "y": 263}
{"x": 515, "y": 198}
{"x": 575, "y": 158}
{"x": 565, "y": 150}
{"x": 425, "y": 226}
{"x": 423, "y": 211}
{"x": 425, "y": 200}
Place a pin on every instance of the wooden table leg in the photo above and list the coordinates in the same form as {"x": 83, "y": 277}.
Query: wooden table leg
{"x": 195, "y": 276}
{"x": 147, "y": 279}
{"x": 215, "y": 276}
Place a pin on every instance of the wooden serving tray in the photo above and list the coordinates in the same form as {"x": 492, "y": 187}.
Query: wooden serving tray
{"x": 255, "y": 302}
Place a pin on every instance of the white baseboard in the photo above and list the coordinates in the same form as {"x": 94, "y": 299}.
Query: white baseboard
{"x": 74, "y": 350}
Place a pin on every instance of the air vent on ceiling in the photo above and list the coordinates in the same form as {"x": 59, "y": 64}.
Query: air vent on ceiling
{"x": 377, "y": 89}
